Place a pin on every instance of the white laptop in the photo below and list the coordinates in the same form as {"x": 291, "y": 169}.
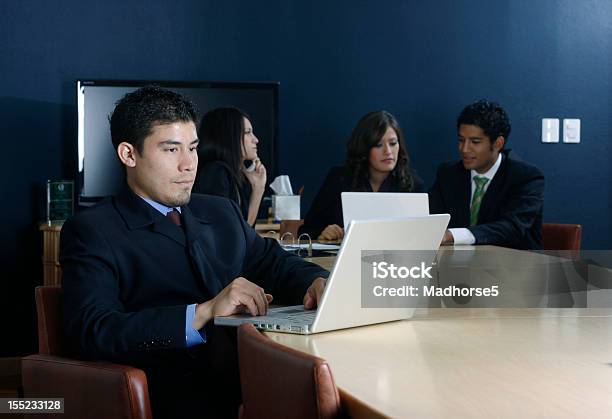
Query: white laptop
{"x": 378, "y": 205}
{"x": 340, "y": 305}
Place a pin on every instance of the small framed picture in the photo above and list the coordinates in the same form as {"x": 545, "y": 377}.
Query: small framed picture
{"x": 60, "y": 200}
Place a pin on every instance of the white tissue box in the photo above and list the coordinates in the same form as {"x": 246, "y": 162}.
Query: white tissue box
{"x": 286, "y": 207}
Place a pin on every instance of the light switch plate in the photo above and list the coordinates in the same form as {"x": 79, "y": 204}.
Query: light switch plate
{"x": 571, "y": 131}
{"x": 550, "y": 130}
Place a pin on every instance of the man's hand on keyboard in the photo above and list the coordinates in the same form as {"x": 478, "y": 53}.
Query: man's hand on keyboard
{"x": 314, "y": 293}
{"x": 241, "y": 295}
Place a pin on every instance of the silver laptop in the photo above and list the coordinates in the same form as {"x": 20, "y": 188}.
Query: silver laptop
{"x": 340, "y": 305}
{"x": 378, "y": 205}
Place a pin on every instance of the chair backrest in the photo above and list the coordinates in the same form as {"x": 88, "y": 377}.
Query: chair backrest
{"x": 279, "y": 382}
{"x": 291, "y": 226}
{"x": 91, "y": 389}
{"x": 561, "y": 236}
{"x": 50, "y": 317}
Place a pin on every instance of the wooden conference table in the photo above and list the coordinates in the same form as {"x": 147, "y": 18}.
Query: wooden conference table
{"x": 473, "y": 362}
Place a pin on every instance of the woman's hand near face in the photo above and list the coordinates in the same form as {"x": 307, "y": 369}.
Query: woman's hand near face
{"x": 257, "y": 178}
{"x": 332, "y": 232}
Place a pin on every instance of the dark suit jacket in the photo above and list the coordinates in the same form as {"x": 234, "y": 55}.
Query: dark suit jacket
{"x": 216, "y": 178}
{"x": 511, "y": 210}
{"x": 129, "y": 273}
{"x": 326, "y": 208}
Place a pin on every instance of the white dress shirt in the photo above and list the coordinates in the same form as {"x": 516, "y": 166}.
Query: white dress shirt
{"x": 464, "y": 235}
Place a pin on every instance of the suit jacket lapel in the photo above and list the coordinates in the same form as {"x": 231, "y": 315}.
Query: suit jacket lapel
{"x": 170, "y": 230}
{"x": 196, "y": 227}
{"x": 138, "y": 214}
{"x": 463, "y": 188}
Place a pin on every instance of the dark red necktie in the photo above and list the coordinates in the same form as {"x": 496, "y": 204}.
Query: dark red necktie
{"x": 175, "y": 216}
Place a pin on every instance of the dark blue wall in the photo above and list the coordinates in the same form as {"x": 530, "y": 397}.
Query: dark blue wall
{"x": 336, "y": 60}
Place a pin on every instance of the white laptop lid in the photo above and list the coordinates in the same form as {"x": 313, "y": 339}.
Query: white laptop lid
{"x": 340, "y": 306}
{"x": 380, "y": 205}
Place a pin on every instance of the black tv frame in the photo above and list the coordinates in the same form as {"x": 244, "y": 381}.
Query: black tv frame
{"x": 238, "y": 85}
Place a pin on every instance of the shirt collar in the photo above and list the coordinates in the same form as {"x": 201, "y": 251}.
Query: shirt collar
{"x": 489, "y": 174}
{"x": 160, "y": 207}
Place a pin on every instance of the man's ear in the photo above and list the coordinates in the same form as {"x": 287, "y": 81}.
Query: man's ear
{"x": 499, "y": 142}
{"x": 127, "y": 154}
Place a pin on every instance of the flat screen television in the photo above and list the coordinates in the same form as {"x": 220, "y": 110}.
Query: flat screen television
{"x": 99, "y": 171}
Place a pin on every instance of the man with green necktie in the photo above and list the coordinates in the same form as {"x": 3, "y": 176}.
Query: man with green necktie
{"x": 493, "y": 197}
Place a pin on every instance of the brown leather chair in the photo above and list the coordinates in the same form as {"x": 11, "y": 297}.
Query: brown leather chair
{"x": 290, "y": 226}
{"x": 561, "y": 236}
{"x": 279, "y": 382}
{"x": 90, "y": 389}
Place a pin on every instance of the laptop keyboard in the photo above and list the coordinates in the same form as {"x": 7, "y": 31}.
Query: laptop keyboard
{"x": 304, "y": 317}
{"x": 300, "y": 316}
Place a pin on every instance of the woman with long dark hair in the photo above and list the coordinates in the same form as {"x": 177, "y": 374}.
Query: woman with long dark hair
{"x": 376, "y": 161}
{"x": 228, "y": 143}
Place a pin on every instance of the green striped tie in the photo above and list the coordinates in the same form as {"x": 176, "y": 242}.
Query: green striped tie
{"x": 477, "y": 198}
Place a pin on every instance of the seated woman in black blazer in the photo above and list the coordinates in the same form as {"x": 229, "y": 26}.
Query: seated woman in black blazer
{"x": 227, "y": 142}
{"x": 376, "y": 161}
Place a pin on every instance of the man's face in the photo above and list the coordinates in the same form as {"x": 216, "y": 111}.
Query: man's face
{"x": 476, "y": 149}
{"x": 165, "y": 170}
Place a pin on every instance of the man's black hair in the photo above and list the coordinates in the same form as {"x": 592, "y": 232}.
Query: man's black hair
{"x": 138, "y": 112}
{"x": 489, "y": 116}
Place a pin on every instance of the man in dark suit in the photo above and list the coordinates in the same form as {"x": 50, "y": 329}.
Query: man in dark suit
{"x": 146, "y": 272}
{"x": 493, "y": 197}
